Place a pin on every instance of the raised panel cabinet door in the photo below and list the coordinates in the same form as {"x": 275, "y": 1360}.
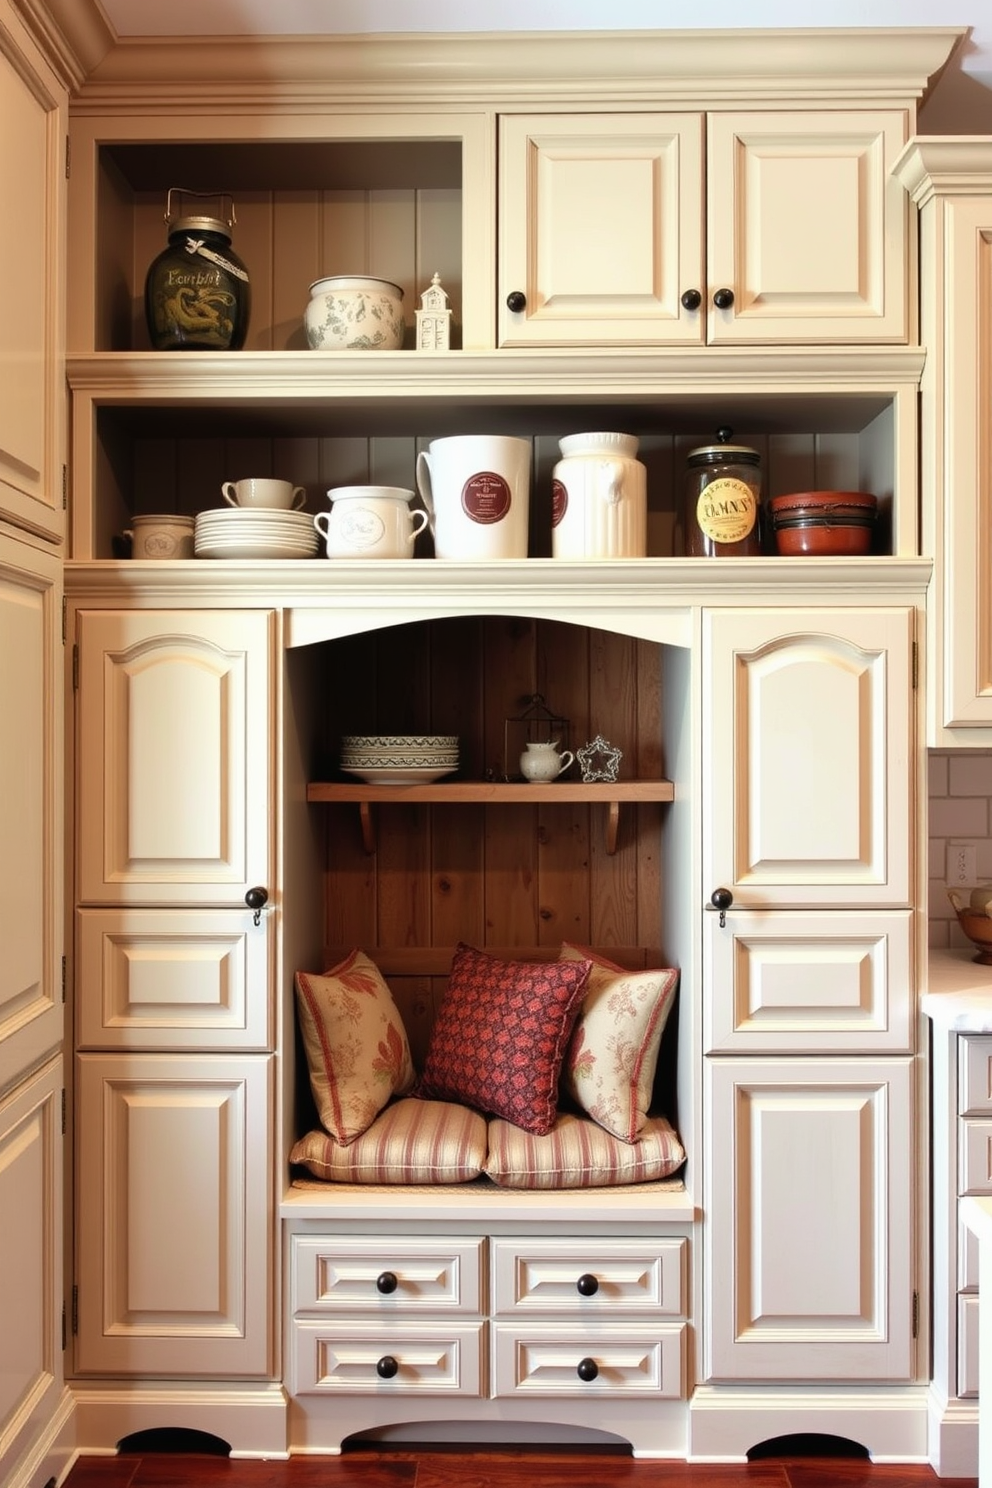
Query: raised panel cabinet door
{"x": 809, "y": 1245}
{"x": 30, "y": 1267}
{"x": 819, "y": 981}
{"x": 808, "y": 744}
{"x": 31, "y": 863}
{"x": 34, "y": 114}
{"x": 173, "y": 767}
{"x": 174, "y": 1221}
{"x": 600, "y": 229}
{"x": 807, "y": 227}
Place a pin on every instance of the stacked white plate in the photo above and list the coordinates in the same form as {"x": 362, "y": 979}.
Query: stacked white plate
{"x": 399, "y": 759}
{"x": 240, "y": 532}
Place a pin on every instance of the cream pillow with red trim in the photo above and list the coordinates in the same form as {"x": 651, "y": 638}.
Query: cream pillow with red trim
{"x": 578, "y": 1153}
{"x": 355, "y": 1042}
{"x": 610, "y": 1063}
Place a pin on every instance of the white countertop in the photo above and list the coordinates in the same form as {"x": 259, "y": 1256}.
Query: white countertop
{"x": 958, "y": 992}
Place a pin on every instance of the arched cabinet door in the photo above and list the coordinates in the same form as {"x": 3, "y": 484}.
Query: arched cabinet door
{"x": 808, "y": 742}
{"x": 173, "y": 748}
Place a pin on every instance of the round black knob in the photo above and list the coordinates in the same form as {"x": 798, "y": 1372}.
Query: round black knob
{"x": 587, "y": 1370}
{"x": 723, "y": 299}
{"x": 387, "y": 1367}
{"x": 587, "y": 1285}
{"x": 721, "y": 899}
{"x": 516, "y": 301}
{"x": 257, "y": 898}
{"x": 692, "y": 299}
{"x": 386, "y": 1282}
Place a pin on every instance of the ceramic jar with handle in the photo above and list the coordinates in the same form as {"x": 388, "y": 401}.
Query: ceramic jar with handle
{"x": 370, "y": 522}
{"x": 541, "y": 762}
{"x": 599, "y": 505}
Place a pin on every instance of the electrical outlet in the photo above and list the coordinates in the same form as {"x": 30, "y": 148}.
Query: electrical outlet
{"x": 961, "y": 867}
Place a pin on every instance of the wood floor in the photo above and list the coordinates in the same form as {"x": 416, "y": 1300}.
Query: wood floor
{"x": 489, "y": 1469}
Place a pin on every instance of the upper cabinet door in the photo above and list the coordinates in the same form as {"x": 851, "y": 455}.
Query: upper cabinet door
{"x": 808, "y": 744}
{"x": 33, "y": 113}
{"x": 600, "y": 229}
{"x": 807, "y": 227}
{"x": 173, "y": 778}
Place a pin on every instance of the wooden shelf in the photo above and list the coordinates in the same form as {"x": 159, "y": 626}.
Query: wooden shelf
{"x": 493, "y": 793}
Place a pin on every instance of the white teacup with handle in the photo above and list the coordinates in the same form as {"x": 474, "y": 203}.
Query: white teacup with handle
{"x": 264, "y": 492}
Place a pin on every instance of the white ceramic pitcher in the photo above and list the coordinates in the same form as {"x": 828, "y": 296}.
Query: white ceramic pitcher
{"x": 476, "y": 488}
{"x": 599, "y": 504}
{"x": 541, "y": 762}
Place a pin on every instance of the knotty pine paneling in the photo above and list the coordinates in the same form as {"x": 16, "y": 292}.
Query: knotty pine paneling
{"x": 501, "y": 875}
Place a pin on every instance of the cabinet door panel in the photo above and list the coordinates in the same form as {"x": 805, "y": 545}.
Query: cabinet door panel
{"x": 30, "y": 1265}
{"x": 601, "y": 228}
{"x": 30, "y": 807}
{"x": 182, "y": 979}
{"x": 810, "y": 1241}
{"x": 823, "y": 982}
{"x": 807, "y": 226}
{"x": 174, "y": 800}
{"x": 174, "y": 1216}
{"x": 808, "y": 740}
{"x": 33, "y": 112}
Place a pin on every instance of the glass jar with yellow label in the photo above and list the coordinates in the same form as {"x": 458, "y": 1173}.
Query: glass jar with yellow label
{"x": 722, "y": 511}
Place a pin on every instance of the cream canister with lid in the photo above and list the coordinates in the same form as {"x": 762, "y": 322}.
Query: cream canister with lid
{"x": 599, "y": 504}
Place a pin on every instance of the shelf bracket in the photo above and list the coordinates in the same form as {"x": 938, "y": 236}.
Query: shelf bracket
{"x": 368, "y": 826}
{"x": 612, "y": 826}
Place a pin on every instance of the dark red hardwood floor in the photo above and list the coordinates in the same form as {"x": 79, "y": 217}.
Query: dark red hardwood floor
{"x": 489, "y": 1469}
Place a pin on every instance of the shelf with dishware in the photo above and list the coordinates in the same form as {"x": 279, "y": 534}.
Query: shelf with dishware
{"x": 613, "y": 794}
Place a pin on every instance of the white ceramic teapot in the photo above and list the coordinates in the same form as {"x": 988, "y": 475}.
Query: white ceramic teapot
{"x": 541, "y": 762}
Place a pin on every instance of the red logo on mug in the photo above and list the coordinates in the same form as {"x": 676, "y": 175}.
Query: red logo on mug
{"x": 486, "y": 497}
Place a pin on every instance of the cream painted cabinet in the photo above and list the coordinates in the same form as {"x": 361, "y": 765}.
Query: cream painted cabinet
{"x": 809, "y": 1020}
{"x": 606, "y": 238}
{"x": 174, "y": 1023}
{"x": 34, "y": 112}
{"x": 951, "y": 181}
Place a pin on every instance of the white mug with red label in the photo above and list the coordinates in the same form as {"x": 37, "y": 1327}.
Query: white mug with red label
{"x": 476, "y": 488}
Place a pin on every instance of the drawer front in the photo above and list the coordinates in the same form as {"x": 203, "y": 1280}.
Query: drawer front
{"x": 975, "y": 1076}
{"x": 968, "y": 1344}
{"x": 590, "y": 1279}
{"x": 975, "y": 1157}
{"x": 625, "y": 1363}
{"x": 372, "y": 1274}
{"x": 356, "y": 1358}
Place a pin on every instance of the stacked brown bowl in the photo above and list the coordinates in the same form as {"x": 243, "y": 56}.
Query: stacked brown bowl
{"x": 823, "y": 523}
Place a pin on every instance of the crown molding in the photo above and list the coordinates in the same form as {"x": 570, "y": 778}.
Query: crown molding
{"x": 945, "y": 165}
{"x": 74, "y": 35}
{"x": 522, "y": 69}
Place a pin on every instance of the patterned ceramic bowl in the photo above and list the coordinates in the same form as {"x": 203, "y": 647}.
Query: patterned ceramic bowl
{"x": 352, "y": 312}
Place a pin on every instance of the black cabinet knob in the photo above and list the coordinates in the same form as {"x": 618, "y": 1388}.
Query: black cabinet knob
{"x": 692, "y": 299}
{"x": 516, "y": 301}
{"x": 256, "y": 899}
{"x": 387, "y": 1367}
{"x": 587, "y": 1285}
{"x": 587, "y": 1370}
{"x": 386, "y": 1282}
{"x": 721, "y": 899}
{"x": 723, "y": 299}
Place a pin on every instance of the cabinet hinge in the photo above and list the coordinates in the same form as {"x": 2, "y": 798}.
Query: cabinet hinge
{"x": 64, "y": 1336}
{"x": 68, "y": 153}
{"x": 65, "y": 487}
{"x": 916, "y": 665}
{"x": 64, "y": 977}
{"x": 916, "y": 1314}
{"x": 75, "y": 1311}
{"x": 63, "y": 1111}
{"x": 75, "y": 668}
{"x": 65, "y": 617}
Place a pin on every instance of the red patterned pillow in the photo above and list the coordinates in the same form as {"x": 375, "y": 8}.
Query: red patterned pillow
{"x": 500, "y": 1036}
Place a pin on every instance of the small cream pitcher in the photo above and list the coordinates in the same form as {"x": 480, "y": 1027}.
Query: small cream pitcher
{"x": 541, "y": 762}
{"x": 599, "y": 506}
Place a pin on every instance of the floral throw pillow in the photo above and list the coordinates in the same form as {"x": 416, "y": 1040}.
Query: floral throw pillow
{"x": 611, "y": 1061}
{"x": 500, "y": 1036}
{"x": 355, "y": 1043}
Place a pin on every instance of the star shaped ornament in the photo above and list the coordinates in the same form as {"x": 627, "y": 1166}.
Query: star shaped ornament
{"x": 599, "y": 760}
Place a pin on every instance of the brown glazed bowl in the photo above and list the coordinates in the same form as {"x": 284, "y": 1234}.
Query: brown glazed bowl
{"x": 976, "y": 924}
{"x": 824, "y": 523}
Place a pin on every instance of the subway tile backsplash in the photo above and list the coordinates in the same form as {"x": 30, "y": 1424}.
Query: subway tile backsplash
{"x": 960, "y": 787}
